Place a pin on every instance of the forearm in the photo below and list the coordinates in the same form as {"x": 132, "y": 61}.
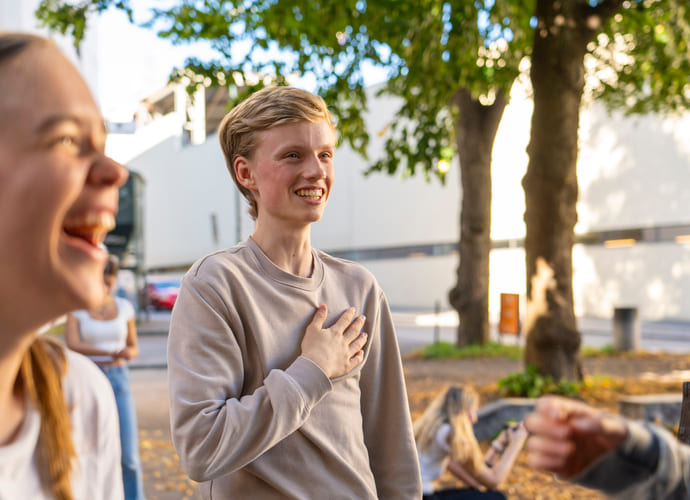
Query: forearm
{"x": 501, "y": 457}
{"x": 89, "y": 350}
{"x": 503, "y": 465}
{"x": 650, "y": 463}
{"x": 216, "y": 437}
{"x": 131, "y": 349}
{"x": 497, "y": 448}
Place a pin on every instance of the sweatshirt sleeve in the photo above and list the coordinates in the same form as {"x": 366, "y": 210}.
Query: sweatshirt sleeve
{"x": 386, "y": 413}
{"x": 651, "y": 463}
{"x": 216, "y": 428}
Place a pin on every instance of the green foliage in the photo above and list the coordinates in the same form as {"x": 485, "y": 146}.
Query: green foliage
{"x": 598, "y": 352}
{"x": 430, "y": 50}
{"x": 447, "y": 350}
{"x": 532, "y": 384}
{"x": 72, "y": 19}
{"x": 646, "y": 46}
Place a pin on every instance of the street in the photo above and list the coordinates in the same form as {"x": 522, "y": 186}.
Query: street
{"x": 415, "y": 330}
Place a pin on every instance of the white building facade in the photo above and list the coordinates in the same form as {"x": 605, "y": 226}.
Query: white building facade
{"x": 634, "y": 211}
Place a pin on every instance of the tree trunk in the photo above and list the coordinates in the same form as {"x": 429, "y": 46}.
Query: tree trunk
{"x": 551, "y": 188}
{"x": 476, "y": 131}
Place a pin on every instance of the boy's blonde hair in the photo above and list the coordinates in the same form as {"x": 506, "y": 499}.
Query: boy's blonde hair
{"x": 453, "y": 407}
{"x": 267, "y": 108}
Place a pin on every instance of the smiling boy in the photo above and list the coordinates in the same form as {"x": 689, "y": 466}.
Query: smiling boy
{"x": 284, "y": 371}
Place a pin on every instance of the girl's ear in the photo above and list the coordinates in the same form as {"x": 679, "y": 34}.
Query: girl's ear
{"x": 244, "y": 173}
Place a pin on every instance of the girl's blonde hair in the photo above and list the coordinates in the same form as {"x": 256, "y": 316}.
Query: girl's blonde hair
{"x": 44, "y": 364}
{"x": 267, "y": 108}
{"x": 453, "y": 407}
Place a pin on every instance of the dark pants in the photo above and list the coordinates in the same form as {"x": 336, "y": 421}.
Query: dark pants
{"x": 465, "y": 494}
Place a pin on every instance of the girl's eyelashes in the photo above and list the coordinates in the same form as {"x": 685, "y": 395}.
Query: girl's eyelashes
{"x": 66, "y": 140}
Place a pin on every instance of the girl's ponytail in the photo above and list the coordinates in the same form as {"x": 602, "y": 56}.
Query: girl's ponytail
{"x": 41, "y": 374}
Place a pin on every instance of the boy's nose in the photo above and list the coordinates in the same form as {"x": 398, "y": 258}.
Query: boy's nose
{"x": 316, "y": 169}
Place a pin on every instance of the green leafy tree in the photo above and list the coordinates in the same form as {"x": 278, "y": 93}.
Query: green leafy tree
{"x": 452, "y": 65}
{"x": 449, "y": 65}
{"x": 642, "y": 61}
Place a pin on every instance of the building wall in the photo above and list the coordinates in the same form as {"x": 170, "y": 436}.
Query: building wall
{"x": 633, "y": 173}
{"x": 186, "y": 186}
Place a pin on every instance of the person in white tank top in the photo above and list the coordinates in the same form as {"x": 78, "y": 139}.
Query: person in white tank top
{"x": 107, "y": 335}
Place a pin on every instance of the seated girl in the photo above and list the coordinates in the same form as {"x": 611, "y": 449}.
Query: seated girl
{"x": 446, "y": 441}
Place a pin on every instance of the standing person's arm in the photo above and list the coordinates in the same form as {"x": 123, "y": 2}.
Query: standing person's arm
{"x": 386, "y": 414}
{"x": 131, "y": 349}
{"x": 216, "y": 428}
{"x": 492, "y": 475}
{"x": 605, "y": 451}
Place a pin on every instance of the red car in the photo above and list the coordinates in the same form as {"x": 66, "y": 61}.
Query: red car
{"x": 162, "y": 294}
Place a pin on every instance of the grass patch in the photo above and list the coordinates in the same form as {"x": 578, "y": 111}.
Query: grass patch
{"x": 532, "y": 385}
{"x": 598, "y": 352}
{"x": 448, "y": 350}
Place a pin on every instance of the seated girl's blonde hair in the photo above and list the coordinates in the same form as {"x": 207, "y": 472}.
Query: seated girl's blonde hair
{"x": 452, "y": 406}
{"x": 267, "y": 108}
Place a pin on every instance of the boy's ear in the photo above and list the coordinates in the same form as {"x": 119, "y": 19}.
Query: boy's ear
{"x": 243, "y": 172}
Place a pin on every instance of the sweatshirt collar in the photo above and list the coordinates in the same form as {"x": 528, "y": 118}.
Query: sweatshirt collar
{"x": 279, "y": 275}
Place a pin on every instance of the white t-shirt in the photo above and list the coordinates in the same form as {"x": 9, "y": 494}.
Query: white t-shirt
{"x": 97, "y": 473}
{"x": 432, "y": 461}
{"x": 109, "y": 335}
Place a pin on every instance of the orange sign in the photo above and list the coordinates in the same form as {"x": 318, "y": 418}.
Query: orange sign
{"x": 510, "y": 314}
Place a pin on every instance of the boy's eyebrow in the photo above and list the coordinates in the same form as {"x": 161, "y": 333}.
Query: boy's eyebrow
{"x": 303, "y": 144}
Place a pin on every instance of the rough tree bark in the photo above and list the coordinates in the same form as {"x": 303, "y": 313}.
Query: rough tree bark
{"x": 564, "y": 28}
{"x": 476, "y": 131}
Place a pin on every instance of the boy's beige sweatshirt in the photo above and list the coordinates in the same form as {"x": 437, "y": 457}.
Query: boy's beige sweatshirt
{"x": 251, "y": 418}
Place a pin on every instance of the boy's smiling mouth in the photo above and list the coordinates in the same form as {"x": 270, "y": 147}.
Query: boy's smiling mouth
{"x": 310, "y": 193}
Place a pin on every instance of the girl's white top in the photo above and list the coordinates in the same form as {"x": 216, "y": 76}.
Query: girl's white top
{"x": 93, "y": 414}
{"x": 109, "y": 335}
{"x": 432, "y": 461}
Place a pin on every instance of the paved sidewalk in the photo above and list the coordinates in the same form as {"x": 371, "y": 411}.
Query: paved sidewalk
{"x": 416, "y": 329}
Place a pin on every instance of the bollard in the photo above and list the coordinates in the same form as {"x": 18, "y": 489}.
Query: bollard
{"x": 626, "y": 329}
{"x": 437, "y": 329}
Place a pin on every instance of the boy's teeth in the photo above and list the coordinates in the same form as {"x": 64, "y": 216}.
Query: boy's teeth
{"x": 310, "y": 193}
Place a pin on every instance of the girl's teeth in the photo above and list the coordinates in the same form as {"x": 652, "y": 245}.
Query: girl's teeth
{"x": 91, "y": 227}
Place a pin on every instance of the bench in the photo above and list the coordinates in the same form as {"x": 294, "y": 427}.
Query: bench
{"x": 665, "y": 409}
{"x": 492, "y": 417}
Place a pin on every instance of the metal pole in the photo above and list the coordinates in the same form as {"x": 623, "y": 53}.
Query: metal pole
{"x": 437, "y": 330}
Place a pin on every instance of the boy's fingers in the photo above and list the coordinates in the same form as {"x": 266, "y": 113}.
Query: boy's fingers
{"x": 343, "y": 321}
{"x": 319, "y": 317}
{"x": 352, "y": 331}
{"x": 358, "y": 343}
{"x": 357, "y": 357}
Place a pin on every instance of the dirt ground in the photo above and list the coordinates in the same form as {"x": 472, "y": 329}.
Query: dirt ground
{"x": 629, "y": 374}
